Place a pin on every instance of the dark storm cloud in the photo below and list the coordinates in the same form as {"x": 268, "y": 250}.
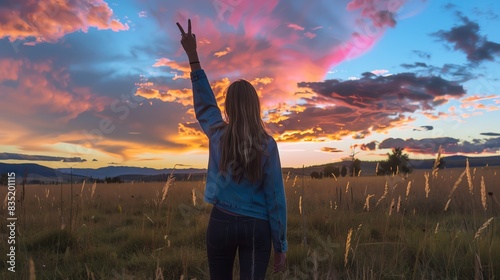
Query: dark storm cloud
{"x": 383, "y": 92}
{"x": 467, "y": 38}
{"x": 414, "y": 65}
{"x": 357, "y": 107}
{"x": 490, "y": 134}
{"x": 424, "y": 128}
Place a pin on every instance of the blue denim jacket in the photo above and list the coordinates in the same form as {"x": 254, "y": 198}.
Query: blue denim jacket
{"x": 264, "y": 199}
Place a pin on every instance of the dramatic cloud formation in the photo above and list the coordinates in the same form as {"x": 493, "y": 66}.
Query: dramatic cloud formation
{"x": 42, "y": 101}
{"x": 258, "y": 41}
{"x": 49, "y": 21}
{"x": 466, "y": 38}
{"x": 357, "y": 107}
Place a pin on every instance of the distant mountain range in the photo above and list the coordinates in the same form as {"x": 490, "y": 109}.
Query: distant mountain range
{"x": 37, "y": 172}
{"x": 116, "y": 171}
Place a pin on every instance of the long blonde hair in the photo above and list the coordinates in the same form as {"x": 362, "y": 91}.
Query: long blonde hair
{"x": 243, "y": 141}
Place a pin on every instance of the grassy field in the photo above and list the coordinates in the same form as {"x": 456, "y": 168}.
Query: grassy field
{"x": 425, "y": 226}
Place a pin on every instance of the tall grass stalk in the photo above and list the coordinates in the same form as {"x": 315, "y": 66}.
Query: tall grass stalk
{"x": 367, "y": 202}
{"x": 347, "y": 246}
{"x": 435, "y": 167}
{"x": 408, "y": 188}
{"x": 386, "y": 191}
{"x": 483, "y": 194}
{"x": 469, "y": 176}
{"x": 427, "y": 185}
{"x": 482, "y": 228}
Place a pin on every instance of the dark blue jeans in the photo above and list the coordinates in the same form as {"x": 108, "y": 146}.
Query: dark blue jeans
{"x": 226, "y": 234}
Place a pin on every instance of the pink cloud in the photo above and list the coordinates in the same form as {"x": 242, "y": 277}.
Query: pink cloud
{"x": 295, "y": 26}
{"x": 380, "y": 71}
{"x": 40, "y": 88}
{"x": 310, "y": 35}
{"x": 381, "y": 13}
{"x": 49, "y": 21}
{"x": 44, "y": 102}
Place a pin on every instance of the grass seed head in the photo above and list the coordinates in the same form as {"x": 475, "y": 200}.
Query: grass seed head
{"x": 483, "y": 193}
{"x": 482, "y": 228}
{"x": 347, "y": 246}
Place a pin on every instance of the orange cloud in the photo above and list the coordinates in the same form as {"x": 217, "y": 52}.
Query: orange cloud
{"x": 330, "y": 150}
{"x": 49, "y": 21}
{"x": 223, "y": 53}
{"x": 479, "y": 98}
{"x": 435, "y": 117}
{"x": 473, "y": 103}
{"x": 184, "y": 69}
{"x": 182, "y": 96}
{"x": 190, "y": 135}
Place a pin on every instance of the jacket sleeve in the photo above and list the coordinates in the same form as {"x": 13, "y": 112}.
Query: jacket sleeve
{"x": 275, "y": 198}
{"x": 207, "y": 112}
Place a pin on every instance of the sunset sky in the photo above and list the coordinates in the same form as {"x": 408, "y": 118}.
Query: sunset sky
{"x": 92, "y": 83}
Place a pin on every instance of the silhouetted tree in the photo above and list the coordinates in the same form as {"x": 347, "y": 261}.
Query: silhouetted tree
{"x": 113, "y": 180}
{"x": 396, "y": 162}
{"x": 331, "y": 169}
{"x": 355, "y": 167}
{"x": 316, "y": 175}
{"x": 343, "y": 171}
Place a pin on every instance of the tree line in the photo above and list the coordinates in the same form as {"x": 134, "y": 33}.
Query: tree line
{"x": 397, "y": 162}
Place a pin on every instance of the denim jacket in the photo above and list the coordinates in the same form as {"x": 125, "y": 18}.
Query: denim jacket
{"x": 264, "y": 199}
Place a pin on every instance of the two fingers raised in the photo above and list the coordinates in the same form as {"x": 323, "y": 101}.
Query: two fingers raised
{"x": 182, "y": 29}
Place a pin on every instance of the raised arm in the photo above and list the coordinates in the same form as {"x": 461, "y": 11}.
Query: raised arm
{"x": 207, "y": 112}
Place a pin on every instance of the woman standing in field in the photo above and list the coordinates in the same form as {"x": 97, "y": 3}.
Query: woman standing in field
{"x": 244, "y": 180}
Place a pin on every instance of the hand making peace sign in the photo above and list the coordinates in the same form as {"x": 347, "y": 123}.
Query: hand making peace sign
{"x": 188, "y": 40}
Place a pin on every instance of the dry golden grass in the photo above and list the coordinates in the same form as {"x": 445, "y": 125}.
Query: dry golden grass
{"x": 157, "y": 230}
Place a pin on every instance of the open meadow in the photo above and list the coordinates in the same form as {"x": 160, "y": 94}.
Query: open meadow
{"x": 425, "y": 226}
